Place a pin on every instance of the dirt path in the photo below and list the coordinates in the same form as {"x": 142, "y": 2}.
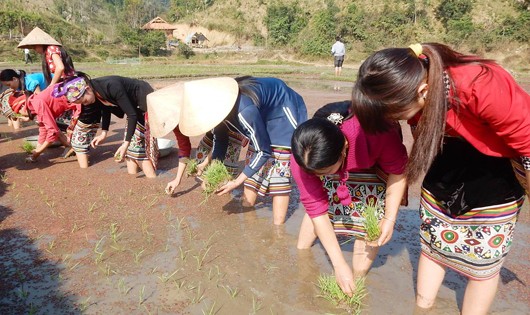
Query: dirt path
{"x": 99, "y": 241}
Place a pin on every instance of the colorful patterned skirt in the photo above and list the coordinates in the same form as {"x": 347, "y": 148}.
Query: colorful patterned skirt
{"x": 142, "y": 146}
{"x": 474, "y": 244}
{"x": 274, "y": 177}
{"x": 82, "y": 135}
{"x": 235, "y": 142}
{"x": 365, "y": 187}
{"x": 65, "y": 120}
{"x": 5, "y": 104}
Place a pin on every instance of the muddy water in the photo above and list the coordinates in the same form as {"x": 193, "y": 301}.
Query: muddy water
{"x": 176, "y": 255}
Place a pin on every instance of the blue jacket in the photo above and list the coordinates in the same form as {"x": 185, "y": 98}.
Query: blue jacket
{"x": 270, "y": 123}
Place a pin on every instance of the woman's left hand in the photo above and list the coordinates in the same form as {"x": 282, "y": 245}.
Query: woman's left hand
{"x": 226, "y": 188}
{"x": 387, "y": 228}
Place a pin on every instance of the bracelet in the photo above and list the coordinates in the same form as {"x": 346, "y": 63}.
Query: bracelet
{"x": 393, "y": 221}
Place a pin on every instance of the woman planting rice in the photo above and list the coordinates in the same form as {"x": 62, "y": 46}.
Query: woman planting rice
{"x": 471, "y": 124}
{"x": 22, "y": 85}
{"x": 265, "y": 110}
{"x": 121, "y": 96}
{"x": 332, "y": 151}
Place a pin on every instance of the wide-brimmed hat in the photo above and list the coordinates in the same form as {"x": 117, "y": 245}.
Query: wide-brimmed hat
{"x": 196, "y": 106}
{"x": 37, "y": 37}
{"x": 163, "y": 109}
{"x": 206, "y": 104}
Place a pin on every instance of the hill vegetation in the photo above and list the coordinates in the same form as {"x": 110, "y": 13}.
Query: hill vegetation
{"x": 99, "y": 29}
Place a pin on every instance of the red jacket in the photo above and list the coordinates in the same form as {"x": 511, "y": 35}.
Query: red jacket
{"x": 494, "y": 111}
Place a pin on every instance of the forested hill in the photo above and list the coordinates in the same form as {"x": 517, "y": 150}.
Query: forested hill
{"x": 303, "y": 27}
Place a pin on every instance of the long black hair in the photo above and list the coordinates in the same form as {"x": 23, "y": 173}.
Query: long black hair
{"x": 318, "y": 143}
{"x": 67, "y": 61}
{"x": 247, "y": 86}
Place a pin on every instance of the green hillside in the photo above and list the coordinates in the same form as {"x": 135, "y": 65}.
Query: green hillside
{"x": 100, "y": 29}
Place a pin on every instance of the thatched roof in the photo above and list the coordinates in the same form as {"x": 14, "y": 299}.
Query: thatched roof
{"x": 158, "y": 24}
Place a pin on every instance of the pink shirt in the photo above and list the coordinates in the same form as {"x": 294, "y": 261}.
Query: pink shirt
{"x": 385, "y": 150}
{"x": 47, "y": 108}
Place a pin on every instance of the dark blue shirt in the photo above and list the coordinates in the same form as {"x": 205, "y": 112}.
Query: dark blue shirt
{"x": 270, "y": 123}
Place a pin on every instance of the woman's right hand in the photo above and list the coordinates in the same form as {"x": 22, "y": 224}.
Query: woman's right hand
{"x": 171, "y": 186}
{"x": 201, "y": 166}
{"x": 119, "y": 156}
{"x": 344, "y": 277}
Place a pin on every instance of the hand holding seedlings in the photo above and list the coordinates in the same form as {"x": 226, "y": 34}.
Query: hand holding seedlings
{"x": 192, "y": 167}
{"x": 121, "y": 152}
{"x": 28, "y": 147}
{"x": 215, "y": 176}
{"x": 371, "y": 222}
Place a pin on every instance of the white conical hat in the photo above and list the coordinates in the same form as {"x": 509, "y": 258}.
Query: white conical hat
{"x": 206, "y": 104}
{"x": 163, "y": 109}
{"x": 37, "y": 37}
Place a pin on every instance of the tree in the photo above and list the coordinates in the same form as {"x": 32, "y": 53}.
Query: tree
{"x": 284, "y": 23}
{"x": 453, "y": 10}
{"x": 317, "y": 38}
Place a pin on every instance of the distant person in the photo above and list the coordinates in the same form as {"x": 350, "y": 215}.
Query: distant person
{"x": 338, "y": 51}
{"x": 27, "y": 56}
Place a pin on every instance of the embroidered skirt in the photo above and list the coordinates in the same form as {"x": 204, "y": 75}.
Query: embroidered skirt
{"x": 82, "y": 135}
{"x": 142, "y": 146}
{"x": 474, "y": 244}
{"x": 274, "y": 177}
{"x": 64, "y": 120}
{"x": 365, "y": 187}
{"x": 235, "y": 142}
{"x": 6, "y": 106}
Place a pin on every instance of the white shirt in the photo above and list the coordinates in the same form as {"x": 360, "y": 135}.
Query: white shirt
{"x": 338, "y": 49}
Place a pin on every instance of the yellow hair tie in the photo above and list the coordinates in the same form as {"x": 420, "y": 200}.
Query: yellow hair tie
{"x": 417, "y": 49}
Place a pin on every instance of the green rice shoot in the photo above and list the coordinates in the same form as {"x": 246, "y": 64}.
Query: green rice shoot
{"x": 371, "y": 221}
{"x": 214, "y": 176}
{"x": 330, "y": 290}
{"x": 192, "y": 167}
{"x": 28, "y": 147}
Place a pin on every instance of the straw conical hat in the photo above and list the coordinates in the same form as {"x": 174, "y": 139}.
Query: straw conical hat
{"x": 206, "y": 104}
{"x": 163, "y": 109}
{"x": 37, "y": 37}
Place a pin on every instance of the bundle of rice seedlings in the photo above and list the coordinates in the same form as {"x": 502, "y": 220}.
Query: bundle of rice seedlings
{"x": 192, "y": 167}
{"x": 28, "y": 147}
{"x": 214, "y": 176}
{"x": 371, "y": 221}
{"x": 117, "y": 157}
{"x": 330, "y": 290}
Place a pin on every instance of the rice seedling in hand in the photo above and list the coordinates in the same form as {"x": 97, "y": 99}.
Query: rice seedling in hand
{"x": 214, "y": 176}
{"x": 371, "y": 221}
{"x": 192, "y": 167}
{"x": 330, "y": 290}
{"x": 28, "y": 147}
